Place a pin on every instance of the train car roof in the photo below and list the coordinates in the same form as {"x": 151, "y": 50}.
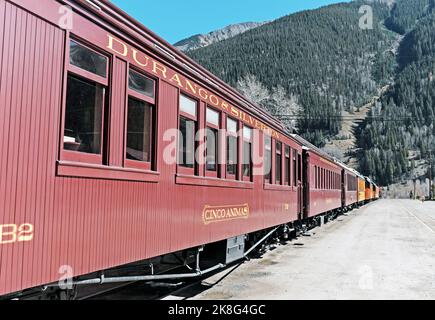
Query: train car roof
{"x": 350, "y": 169}
{"x": 311, "y": 147}
{"x": 371, "y": 181}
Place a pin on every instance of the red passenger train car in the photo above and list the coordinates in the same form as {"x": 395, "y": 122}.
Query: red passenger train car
{"x": 321, "y": 181}
{"x": 350, "y": 187}
{"x": 85, "y": 109}
{"x": 323, "y": 184}
{"x": 117, "y": 148}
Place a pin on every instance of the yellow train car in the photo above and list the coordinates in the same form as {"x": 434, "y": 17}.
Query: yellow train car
{"x": 377, "y": 192}
{"x": 369, "y": 190}
{"x": 361, "y": 190}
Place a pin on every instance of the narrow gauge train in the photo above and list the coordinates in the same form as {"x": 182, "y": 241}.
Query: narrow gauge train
{"x": 87, "y": 97}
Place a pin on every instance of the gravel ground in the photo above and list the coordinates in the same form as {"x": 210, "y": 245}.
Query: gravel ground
{"x": 385, "y": 250}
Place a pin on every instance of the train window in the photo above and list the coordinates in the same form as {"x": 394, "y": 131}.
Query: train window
{"x": 351, "y": 183}
{"x": 87, "y": 59}
{"x": 213, "y": 117}
{"x": 331, "y": 182}
{"x": 299, "y": 168}
{"x": 211, "y": 149}
{"x": 139, "y": 124}
{"x": 278, "y": 163}
{"x": 188, "y": 106}
{"x": 323, "y": 179}
{"x": 329, "y": 179}
{"x": 295, "y": 168}
{"x": 334, "y": 181}
{"x": 320, "y": 178}
{"x": 140, "y": 115}
{"x": 212, "y": 144}
{"x": 287, "y": 166}
{"x": 247, "y": 152}
{"x": 232, "y": 148}
{"x": 86, "y": 95}
{"x": 267, "y": 158}
{"x": 317, "y": 178}
{"x": 186, "y": 143}
{"x": 141, "y": 84}
{"x": 83, "y": 115}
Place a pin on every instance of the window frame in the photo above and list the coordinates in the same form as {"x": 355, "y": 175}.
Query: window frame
{"x": 136, "y": 164}
{"x": 234, "y": 135}
{"x": 267, "y": 178}
{"x": 251, "y": 145}
{"x": 278, "y": 166}
{"x": 87, "y": 76}
{"x": 212, "y": 126}
{"x": 295, "y": 179}
{"x": 181, "y": 169}
{"x": 287, "y": 162}
{"x": 329, "y": 180}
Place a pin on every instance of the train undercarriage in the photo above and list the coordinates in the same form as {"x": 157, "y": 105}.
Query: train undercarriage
{"x": 192, "y": 263}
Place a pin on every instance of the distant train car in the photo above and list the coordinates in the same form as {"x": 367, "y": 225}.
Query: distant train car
{"x": 377, "y": 192}
{"x": 361, "y": 190}
{"x": 322, "y": 181}
{"x": 369, "y": 190}
{"x": 349, "y": 184}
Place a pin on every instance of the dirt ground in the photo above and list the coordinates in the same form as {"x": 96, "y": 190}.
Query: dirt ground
{"x": 385, "y": 250}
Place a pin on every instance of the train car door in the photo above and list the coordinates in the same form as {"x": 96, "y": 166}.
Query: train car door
{"x": 343, "y": 188}
{"x": 305, "y": 185}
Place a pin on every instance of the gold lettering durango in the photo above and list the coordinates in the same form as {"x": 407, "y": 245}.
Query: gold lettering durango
{"x": 149, "y": 64}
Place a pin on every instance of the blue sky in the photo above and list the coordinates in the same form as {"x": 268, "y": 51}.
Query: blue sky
{"x": 175, "y": 20}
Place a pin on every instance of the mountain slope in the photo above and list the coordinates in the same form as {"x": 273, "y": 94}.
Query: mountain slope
{"x": 339, "y": 74}
{"x": 402, "y": 126}
{"x": 320, "y": 56}
{"x": 405, "y": 14}
{"x": 204, "y": 40}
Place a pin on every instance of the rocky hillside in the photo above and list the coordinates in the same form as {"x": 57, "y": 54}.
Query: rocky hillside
{"x": 321, "y": 57}
{"x": 204, "y": 40}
